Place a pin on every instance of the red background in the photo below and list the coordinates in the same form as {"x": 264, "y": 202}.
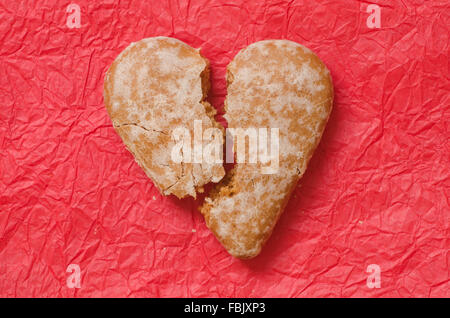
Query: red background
{"x": 376, "y": 191}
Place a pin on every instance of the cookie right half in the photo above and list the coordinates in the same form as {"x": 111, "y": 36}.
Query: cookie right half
{"x": 277, "y": 86}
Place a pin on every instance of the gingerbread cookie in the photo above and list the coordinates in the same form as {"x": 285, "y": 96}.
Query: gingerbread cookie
{"x": 273, "y": 84}
{"x": 154, "y": 86}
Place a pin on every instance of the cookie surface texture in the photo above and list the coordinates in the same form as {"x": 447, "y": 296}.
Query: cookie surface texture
{"x": 271, "y": 84}
{"x": 154, "y": 86}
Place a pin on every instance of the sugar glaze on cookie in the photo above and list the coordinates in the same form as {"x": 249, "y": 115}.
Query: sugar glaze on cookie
{"x": 271, "y": 84}
{"x": 154, "y": 86}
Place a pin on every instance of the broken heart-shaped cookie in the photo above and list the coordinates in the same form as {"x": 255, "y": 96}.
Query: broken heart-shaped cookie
{"x": 154, "y": 86}
{"x": 282, "y": 86}
{"x": 279, "y": 93}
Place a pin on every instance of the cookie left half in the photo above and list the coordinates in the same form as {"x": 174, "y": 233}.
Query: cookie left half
{"x": 155, "y": 86}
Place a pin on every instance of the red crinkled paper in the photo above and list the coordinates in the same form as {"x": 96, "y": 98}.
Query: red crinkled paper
{"x": 376, "y": 191}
